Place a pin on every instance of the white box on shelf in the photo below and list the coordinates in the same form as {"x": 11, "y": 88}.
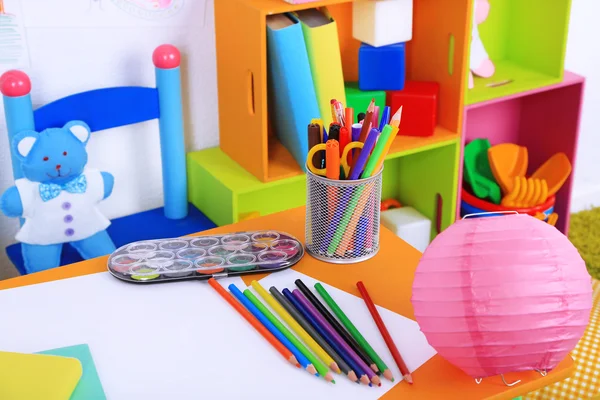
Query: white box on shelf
{"x": 408, "y": 224}
{"x": 382, "y": 22}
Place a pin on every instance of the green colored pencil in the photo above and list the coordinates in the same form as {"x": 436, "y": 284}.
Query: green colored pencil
{"x": 319, "y": 366}
{"x": 353, "y": 331}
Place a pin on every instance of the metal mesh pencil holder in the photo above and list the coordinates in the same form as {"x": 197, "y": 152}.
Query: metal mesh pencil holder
{"x": 342, "y": 218}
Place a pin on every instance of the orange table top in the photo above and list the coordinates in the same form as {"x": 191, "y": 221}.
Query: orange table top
{"x": 389, "y": 277}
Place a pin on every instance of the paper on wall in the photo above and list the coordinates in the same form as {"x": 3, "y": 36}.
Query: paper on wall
{"x": 114, "y": 13}
{"x": 14, "y": 51}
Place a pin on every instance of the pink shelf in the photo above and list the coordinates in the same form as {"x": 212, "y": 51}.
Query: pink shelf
{"x": 545, "y": 120}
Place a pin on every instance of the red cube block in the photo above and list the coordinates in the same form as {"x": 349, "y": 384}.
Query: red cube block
{"x": 419, "y": 112}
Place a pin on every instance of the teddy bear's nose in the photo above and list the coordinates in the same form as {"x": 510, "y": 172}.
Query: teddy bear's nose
{"x": 58, "y": 166}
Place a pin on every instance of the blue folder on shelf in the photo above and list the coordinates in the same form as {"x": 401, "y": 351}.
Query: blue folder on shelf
{"x": 292, "y": 96}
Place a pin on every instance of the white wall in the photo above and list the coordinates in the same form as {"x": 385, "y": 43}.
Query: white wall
{"x": 69, "y": 60}
{"x": 583, "y": 57}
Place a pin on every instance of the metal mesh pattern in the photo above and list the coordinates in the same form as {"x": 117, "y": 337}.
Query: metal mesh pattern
{"x": 342, "y": 218}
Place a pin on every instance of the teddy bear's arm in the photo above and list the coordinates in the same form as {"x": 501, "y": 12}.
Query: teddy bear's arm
{"x": 10, "y": 203}
{"x": 109, "y": 183}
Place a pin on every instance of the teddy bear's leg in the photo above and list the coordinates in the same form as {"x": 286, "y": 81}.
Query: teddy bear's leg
{"x": 96, "y": 245}
{"x": 40, "y": 258}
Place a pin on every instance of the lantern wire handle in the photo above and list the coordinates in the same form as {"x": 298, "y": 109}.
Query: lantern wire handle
{"x": 478, "y": 380}
{"x": 488, "y": 213}
{"x": 509, "y": 384}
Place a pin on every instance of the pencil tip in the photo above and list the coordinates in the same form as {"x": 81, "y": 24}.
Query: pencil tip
{"x": 352, "y": 376}
{"x": 375, "y": 380}
{"x": 374, "y": 368}
{"x": 408, "y": 378}
{"x": 333, "y": 381}
{"x": 388, "y": 375}
{"x": 335, "y": 367}
{"x": 311, "y": 368}
{"x": 365, "y": 379}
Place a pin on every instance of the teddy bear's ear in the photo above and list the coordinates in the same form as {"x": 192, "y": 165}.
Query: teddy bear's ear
{"x": 23, "y": 143}
{"x": 80, "y": 130}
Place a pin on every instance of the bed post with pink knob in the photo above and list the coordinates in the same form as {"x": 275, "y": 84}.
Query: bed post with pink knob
{"x": 18, "y": 110}
{"x": 166, "y": 59}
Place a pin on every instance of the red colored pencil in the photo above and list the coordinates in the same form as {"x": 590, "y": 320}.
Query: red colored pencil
{"x": 254, "y": 322}
{"x": 384, "y": 332}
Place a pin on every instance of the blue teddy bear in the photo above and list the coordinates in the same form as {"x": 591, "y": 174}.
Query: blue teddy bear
{"x": 58, "y": 197}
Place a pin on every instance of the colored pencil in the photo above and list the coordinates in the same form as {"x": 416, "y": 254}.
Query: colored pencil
{"x": 385, "y": 118}
{"x": 395, "y": 121}
{"x": 354, "y": 345}
{"x": 366, "y": 126}
{"x": 336, "y": 363}
{"x": 337, "y": 338}
{"x": 354, "y": 331}
{"x": 375, "y": 117}
{"x": 360, "y": 117}
{"x": 384, "y": 332}
{"x": 363, "y": 156}
{"x": 378, "y": 152}
{"x": 315, "y": 366}
{"x": 252, "y": 320}
{"x": 386, "y": 149}
{"x": 267, "y": 324}
{"x": 295, "y": 326}
{"x": 361, "y": 376}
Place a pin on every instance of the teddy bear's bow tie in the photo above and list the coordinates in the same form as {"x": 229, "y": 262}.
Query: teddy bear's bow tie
{"x": 49, "y": 191}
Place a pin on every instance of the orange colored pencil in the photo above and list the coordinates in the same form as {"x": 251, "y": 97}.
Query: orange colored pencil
{"x": 254, "y": 322}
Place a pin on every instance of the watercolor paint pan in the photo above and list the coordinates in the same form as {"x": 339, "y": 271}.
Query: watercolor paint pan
{"x": 203, "y": 257}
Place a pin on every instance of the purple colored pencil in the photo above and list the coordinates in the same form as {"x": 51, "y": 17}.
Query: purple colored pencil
{"x": 364, "y": 155}
{"x": 336, "y": 337}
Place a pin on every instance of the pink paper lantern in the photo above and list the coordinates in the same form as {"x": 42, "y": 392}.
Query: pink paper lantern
{"x": 502, "y": 294}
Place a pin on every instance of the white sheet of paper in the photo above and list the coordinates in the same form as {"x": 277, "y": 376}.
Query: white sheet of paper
{"x": 407, "y": 336}
{"x": 176, "y": 340}
{"x": 14, "y": 50}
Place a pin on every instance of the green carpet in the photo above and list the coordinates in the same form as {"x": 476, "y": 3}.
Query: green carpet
{"x": 584, "y": 233}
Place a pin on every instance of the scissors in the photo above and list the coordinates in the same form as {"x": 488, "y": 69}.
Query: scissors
{"x": 343, "y": 159}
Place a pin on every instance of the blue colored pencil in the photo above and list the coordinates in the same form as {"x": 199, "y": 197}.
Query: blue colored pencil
{"x": 385, "y": 118}
{"x": 272, "y": 328}
{"x": 302, "y": 310}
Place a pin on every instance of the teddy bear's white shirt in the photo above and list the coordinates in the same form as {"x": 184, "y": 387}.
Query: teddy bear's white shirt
{"x": 69, "y": 217}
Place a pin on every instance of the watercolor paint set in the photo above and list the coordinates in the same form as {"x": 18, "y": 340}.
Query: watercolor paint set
{"x": 203, "y": 257}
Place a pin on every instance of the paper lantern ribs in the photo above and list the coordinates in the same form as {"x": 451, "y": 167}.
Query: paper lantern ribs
{"x": 502, "y": 294}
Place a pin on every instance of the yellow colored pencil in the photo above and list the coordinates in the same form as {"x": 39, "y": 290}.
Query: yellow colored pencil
{"x": 295, "y": 326}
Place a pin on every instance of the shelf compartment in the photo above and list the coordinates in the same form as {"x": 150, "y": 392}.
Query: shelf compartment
{"x": 527, "y": 42}
{"x": 545, "y": 120}
{"x": 440, "y": 29}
